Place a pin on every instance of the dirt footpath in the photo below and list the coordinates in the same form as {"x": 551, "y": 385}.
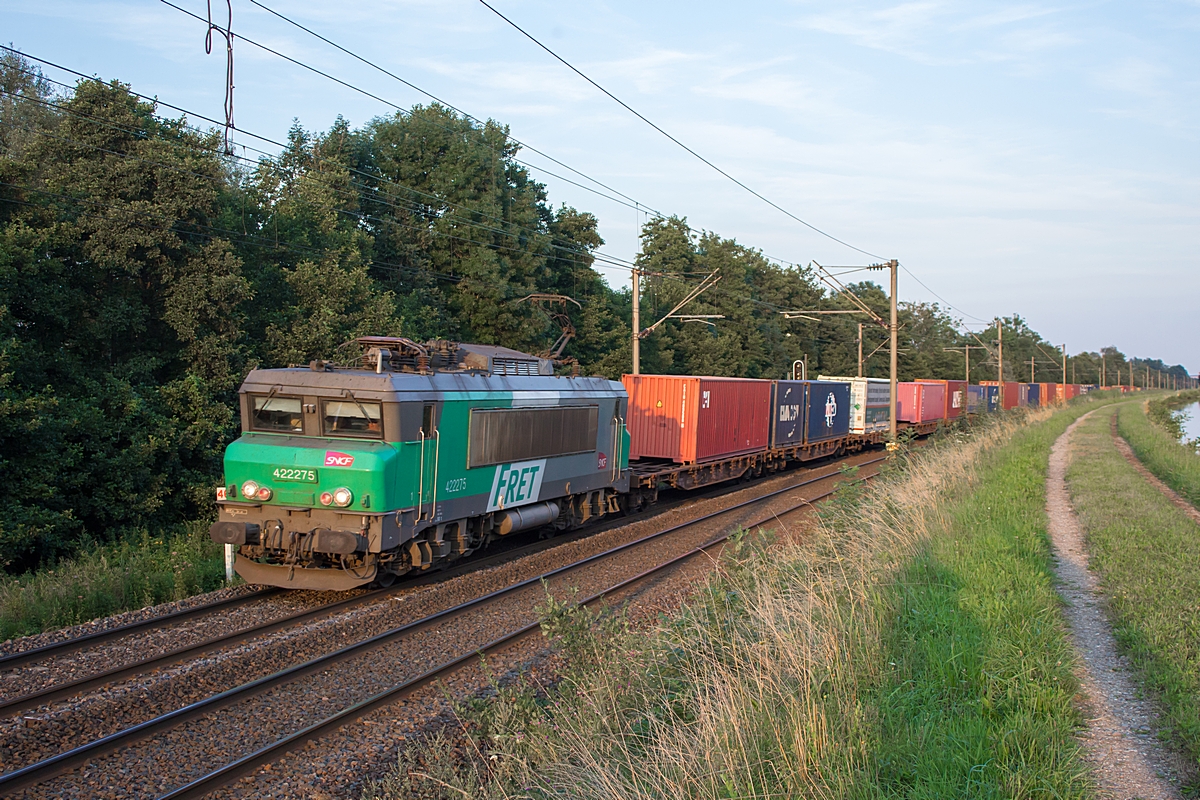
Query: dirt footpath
{"x": 1127, "y": 761}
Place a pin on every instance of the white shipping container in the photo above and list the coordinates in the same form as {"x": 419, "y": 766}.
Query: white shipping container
{"x": 869, "y": 403}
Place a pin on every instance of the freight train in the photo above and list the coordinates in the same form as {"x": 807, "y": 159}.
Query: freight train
{"x": 409, "y": 456}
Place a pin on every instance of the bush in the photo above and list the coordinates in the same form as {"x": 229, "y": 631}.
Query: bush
{"x": 111, "y": 578}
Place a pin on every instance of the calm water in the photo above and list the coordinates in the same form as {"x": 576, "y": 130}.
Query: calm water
{"x": 1191, "y": 425}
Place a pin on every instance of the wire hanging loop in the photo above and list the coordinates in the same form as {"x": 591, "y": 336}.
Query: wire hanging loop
{"x": 227, "y": 34}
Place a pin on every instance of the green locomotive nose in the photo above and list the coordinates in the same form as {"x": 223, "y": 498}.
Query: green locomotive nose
{"x": 299, "y": 472}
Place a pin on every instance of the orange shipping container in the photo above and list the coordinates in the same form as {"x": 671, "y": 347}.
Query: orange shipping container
{"x": 689, "y": 419}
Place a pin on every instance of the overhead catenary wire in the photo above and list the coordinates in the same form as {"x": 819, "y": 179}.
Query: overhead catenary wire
{"x": 401, "y": 109}
{"x": 598, "y": 259}
{"x": 450, "y": 106}
{"x": 697, "y": 155}
{"x": 602, "y": 257}
{"x": 616, "y": 263}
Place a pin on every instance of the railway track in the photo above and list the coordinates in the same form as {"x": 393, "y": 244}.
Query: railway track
{"x": 75, "y": 758}
{"x": 76, "y": 686}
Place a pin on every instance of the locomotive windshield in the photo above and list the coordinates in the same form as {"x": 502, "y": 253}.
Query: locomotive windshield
{"x": 352, "y": 418}
{"x": 276, "y": 414}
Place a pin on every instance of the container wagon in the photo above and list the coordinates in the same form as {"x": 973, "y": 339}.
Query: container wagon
{"x": 870, "y": 403}
{"x": 691, "y": 419}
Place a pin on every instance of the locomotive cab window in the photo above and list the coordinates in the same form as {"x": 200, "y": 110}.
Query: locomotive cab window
{"x": 502, "y": 435}
{"x": 276, "y": 414}
{"x": 351, "y": 418}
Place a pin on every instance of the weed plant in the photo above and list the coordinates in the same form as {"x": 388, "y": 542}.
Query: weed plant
{"x": 907, "y": 643}
{"x": 107, "y": 579}
{"x": 1176, "y": 464}
{"x": 1145, "y": 551}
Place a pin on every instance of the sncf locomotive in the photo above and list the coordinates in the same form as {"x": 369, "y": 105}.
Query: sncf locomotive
{"x": 413, "y": 456}
{"x": 409, "y": 456}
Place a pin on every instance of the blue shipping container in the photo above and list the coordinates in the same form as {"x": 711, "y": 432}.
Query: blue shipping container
{"x": 828, "y": 411}
{"x": 1035, "y": 391}
{"x": 976, "y": 400}
{"x": 992, "y": 393}
{"x": 788, "y": 401}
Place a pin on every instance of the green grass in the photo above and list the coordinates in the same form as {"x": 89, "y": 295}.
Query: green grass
{"x": 108, "y": 579}
{"x": 1147, "y": 553}
{"x": 1176, "y": 464}
{"x": 977, "y": 701}
{"x": 911, "y": 646}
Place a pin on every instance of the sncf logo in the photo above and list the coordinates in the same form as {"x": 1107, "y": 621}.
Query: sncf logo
{"x": 336, "y": 459}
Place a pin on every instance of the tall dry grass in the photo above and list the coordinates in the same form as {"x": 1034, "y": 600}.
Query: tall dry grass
{"x": 776, "y": 657}
{"x": 759, "y": 687}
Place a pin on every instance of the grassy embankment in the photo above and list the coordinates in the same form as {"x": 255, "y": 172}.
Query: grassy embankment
{"x": 911, "y": 645}
{"x": 1147, "y": 552}
{"x": 1158, "y": 447}
{"x": 111, "y": 578}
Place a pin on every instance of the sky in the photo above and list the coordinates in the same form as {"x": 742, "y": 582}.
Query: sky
{"x": 1033, "y": 158}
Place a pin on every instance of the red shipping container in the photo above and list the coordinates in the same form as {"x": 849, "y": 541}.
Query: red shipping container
{"x": 920, "y": 402}
{"x": 688, "y": 419}
{"x": 1049, "y": 394}
{"x": 956, "y": 398}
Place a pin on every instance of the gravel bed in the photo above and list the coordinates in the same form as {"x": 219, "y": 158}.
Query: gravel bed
{"x": 188, "y": 751}
{"x": 152, "y": 642}
{"x": 339, "y": 765}
{"x": 23, "y": 643}
{"x": 145, "y": 644}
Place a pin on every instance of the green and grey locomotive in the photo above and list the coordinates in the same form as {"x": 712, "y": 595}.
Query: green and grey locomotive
{"x": 412, "y": 456}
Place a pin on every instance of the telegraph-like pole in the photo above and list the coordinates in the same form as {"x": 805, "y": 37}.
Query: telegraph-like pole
{"x": 1000, "y": 354}
{"x": 860, "y": 349}
{"x": 892, "y": 333}
{"x": 637, "y": 291}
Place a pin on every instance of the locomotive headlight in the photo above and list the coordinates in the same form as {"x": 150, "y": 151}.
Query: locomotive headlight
{"x": 326, "y": 498}
{"x": 263, "y": 493}
{"x": 249, "y": 490}
{"x": 342, "y": 497}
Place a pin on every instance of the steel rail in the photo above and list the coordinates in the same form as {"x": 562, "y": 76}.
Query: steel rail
{"x": 250, "y": 763}
{"x": 79, "y": 642}
{"x": 60, "y": 691}
{"x": 69, "y": 760}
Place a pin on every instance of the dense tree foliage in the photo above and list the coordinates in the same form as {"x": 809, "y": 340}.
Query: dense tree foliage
{"x": 143, "y": 272}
